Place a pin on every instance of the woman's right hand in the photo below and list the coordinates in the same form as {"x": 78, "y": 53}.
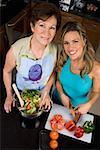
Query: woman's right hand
{"x": 9, "y": 102}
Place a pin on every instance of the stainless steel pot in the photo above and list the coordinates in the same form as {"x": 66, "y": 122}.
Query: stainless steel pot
{"x": 29, "y": 116}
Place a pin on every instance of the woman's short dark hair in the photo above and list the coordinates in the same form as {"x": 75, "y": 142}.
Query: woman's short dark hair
{"x": 44, "y": 10}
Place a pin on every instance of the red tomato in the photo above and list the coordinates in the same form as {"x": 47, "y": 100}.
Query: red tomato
{"x": 52, "y": 121}
{"x": 79, "y": 132}
{"x": 28, "y": 107}
{"x": 58, "y": 117}
{"x": 54, "y": 135}
{"x": 59, "y": 126}
{"x": 53, "y": 144}
{"x": 54, "y": 126}
{"x": 78, "y": 135}
{"x": 57, "y": 122}
{"x": 62, "y": 121}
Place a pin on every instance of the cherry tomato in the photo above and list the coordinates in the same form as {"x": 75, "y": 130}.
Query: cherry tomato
{"x": 54, "y": 135}
{"x": 53, "y": 144}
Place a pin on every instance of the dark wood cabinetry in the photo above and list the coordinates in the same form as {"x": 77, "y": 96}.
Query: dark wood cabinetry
{"x": 65, "y": 18}
{"x": 4, "y": 45}
{"x": 92, "y": 28}
{"x": 93, "y": 31}
{"x": 19, "y": 25}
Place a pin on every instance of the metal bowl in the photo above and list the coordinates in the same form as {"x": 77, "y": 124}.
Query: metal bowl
{"x": 31, "y": 116}
{"x": 26, "y": 115}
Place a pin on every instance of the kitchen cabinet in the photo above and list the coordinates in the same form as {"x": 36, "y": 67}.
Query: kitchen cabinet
{"x": 9, "y": 8}
{"x": 93, "y": 31}
{"x": 92, "y": 27}
{"x": 19, "y": 25}
{"x": 65, "y": 18}
{"x": 3, "y": 43}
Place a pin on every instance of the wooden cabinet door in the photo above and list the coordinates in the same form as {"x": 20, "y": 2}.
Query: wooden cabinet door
{"x": 93, "y": 31}
{"x": 4, "y": 46}
{"x": 65, "y": 18}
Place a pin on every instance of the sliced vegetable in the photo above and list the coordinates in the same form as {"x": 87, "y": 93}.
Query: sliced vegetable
{"x": 57, "y": 117}
{"x": 57, "y": 122}
{"x": 88, "y": 127}
{"x": 70, "y": 125}
{"x": 31, "y": 100}
{"x": 79, "y": 132}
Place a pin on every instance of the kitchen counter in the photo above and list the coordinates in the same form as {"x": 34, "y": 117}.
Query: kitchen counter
{"x": 14, "y": 135}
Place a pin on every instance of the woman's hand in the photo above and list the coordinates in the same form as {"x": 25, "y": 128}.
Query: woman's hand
{"x": 83, "y": 108}
{"x": 9, "y": 102}
{"x": 45, "y": 100}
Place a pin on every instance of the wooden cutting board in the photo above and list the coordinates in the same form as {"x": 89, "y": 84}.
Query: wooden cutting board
{"x": 58, "y": 109}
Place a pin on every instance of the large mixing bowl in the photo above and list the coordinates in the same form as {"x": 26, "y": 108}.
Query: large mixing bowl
{"x": 35, "y": 114}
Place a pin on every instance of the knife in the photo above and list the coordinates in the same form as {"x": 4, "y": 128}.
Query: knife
{"x": 75, "y": 115}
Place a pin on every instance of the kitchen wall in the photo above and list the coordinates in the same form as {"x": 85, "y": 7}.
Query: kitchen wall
{"x": 96, "y": 107}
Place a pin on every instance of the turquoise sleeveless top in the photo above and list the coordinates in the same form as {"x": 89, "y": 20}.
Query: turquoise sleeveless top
{"x": 76, "y": 87}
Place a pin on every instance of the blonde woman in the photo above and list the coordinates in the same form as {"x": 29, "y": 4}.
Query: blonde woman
{"x": 78, "y": 71}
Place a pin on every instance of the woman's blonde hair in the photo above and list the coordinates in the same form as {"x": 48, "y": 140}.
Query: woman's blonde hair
{"x": 89, "y": 53}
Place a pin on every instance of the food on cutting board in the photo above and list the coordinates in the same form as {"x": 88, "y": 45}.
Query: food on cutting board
{"x": 70, "y": 125}
{"x": 31, "y": 101}
{"x": 88, "y": 126}
{"x": 54, "y": 135}
{"x": 53, "y": 144}
{"x": 79, "y": 132}
{"x": 57, "y": 122}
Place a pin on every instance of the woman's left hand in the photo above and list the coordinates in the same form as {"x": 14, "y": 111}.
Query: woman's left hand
{"x": 83, "y": 108}
{"x": 45, "y": 100}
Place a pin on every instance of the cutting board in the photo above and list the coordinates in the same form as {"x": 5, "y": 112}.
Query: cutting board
{"x": 58, "y": 109}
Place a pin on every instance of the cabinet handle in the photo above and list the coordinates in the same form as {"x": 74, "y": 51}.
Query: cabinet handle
{"x": 94, "y": 25}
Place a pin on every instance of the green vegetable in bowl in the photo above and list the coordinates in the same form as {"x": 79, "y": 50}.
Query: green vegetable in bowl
{"x": 88, "y": 126}
{"x": 31, "y": 100}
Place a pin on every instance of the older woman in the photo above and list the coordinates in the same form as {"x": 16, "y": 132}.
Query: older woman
{"x": 35, "y": 56}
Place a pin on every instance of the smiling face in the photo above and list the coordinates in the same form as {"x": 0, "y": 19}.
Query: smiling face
{"x": 73, "y": 45}
{"x": 44, "y": 31}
